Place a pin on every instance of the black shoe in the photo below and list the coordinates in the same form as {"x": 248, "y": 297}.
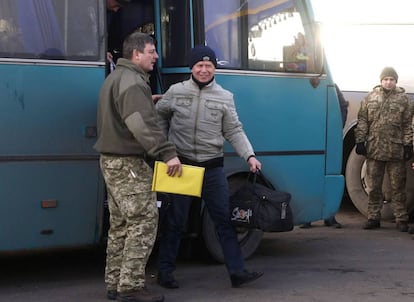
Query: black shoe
{"x": 332, "y": 222}
{"x": 411, "y": 230}
{"x": 238, "y": 279}
{"x": 402, "y": 226}
{"x": 372, "y": 224}
{"x": 167, "y": 280}
{"x": 112, "y": 294}
{"x": 306, "y": 225}
{"x": 140, "y": 295}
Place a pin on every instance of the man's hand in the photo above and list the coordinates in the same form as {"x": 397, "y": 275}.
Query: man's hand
{"x": 174, "y": 167}
{"x": 156, "y": 98}
{"x": 408, "y": 152}
{"x": 254, "y": 164}
{"x": 360, "y": 149}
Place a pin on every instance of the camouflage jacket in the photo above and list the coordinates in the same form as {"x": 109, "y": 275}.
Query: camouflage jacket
{"x": 385, "y": 123}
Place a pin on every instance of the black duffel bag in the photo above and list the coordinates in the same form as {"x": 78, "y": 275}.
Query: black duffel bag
{"x": 261, "y": 207}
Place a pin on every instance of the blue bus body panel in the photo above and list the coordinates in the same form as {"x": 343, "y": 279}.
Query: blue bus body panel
{"x": 289, "y": 135}
{"x": 46, "y": 109}
{"x": 48, "y": 119}
{"x": 74, "y": 222}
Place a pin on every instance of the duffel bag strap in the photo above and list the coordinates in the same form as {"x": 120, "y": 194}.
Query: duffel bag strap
{"x": 252, "y": 177}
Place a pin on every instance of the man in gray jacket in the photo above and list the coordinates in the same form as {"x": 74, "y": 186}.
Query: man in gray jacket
{"x": 384, "y": 135}
{"x": 128, "y": 131}
{"x": 199, "y": 115}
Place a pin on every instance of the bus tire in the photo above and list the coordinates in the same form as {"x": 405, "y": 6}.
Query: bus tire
{"x": 249, "y": 240}
{"x": 357, "y": 186}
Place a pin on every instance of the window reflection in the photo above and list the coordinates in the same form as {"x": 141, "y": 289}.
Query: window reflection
{"x": 51, "y": 29}
{"x": 263, "y": 35}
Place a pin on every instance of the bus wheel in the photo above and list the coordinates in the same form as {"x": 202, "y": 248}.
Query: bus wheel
{"x": 249, "y": 240}
{"x": 357, "y": 185}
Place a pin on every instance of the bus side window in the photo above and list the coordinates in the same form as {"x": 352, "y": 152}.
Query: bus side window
{"x": 51, "y": 29}
{"x": 296, "y": 56}
{"x": 264, "y": 35}
{"x": 10, "y": 37}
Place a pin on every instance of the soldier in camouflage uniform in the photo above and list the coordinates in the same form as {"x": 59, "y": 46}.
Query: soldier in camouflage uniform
{"x": 127, "y": 132}
{"x": 384, "y": 135}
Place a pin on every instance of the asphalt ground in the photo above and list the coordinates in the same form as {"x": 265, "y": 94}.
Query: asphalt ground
{"x": 316, "y": 264}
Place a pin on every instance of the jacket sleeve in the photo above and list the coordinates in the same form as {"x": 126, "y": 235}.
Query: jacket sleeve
{"x": 407, "y": 123}
{"x": 361, "y": 130}
{"x": 142, "y": 122}
{"x": 234, "y": 133}
{"x": 164, "y": 111}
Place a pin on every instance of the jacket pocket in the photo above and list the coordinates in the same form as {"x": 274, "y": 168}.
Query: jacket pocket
{"x": 183, "y": 107}
{"x": 213, "y": 111}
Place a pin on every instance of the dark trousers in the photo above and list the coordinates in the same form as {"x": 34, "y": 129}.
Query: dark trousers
{"x": 215, "y": 194}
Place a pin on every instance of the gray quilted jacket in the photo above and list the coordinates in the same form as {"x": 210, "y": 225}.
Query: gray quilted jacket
{"x": 199, "y": 121}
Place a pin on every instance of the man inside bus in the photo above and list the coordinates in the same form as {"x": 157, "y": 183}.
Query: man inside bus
{"x": 112, "y": 20}
{"x": 123, "y": 18}
{"x": 128, "y": 133}
{"x": 384, "y": 135}
{"x": 198, "y": 126}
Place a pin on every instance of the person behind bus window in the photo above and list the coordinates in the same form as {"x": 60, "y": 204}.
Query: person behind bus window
{"x": 128, "y": 132}
{"x": 198, "y": 115}
{"x": 123, "y": 18}
{"x": 112, "y": 19}
{"x": 384, "y": 135}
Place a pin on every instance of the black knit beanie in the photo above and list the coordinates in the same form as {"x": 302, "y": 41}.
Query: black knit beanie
{"x": 389, "y": 72}
{"x": 202, "y": 53}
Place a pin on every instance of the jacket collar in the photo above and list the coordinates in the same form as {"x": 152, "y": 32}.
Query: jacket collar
{"x": 122, "y": 62}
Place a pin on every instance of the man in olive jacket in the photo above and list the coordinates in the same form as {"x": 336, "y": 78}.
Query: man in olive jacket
{"x": 384, "y": 135}
{"x": 128, "y": 131}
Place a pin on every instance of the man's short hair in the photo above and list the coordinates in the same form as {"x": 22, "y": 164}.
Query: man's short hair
{"x": 136, "y": 40}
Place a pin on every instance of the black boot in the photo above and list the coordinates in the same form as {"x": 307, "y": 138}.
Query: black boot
{"x": 372, "y": 224}
{"x": 238, "y": 279}
{"x": 167, "y": 280}
{"x": 402, "y": 226}
{"x": 112, "y": 294}
{"x": 306, "y": 225}
{"x": 332, "y": 222}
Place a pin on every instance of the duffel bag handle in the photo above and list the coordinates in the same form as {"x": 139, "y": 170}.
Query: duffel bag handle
{"x": 252, "y": 177}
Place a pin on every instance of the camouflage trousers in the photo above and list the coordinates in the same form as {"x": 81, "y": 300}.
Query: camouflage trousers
{"x": 397, "y": 175}
{"x": 133, "y": 221}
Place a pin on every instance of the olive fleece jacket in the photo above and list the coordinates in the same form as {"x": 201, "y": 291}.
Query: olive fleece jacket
{"x": 127, "y": 119}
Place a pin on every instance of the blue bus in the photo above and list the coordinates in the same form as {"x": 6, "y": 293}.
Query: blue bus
{"x": 53, "y": 63}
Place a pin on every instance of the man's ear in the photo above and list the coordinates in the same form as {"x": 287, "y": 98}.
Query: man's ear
{"x": 136, "y": 54}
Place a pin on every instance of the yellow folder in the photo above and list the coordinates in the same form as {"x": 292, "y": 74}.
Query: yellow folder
{"x": 189, "y": 183}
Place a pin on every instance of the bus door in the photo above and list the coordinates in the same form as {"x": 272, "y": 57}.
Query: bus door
{"x": 52, "y": 65}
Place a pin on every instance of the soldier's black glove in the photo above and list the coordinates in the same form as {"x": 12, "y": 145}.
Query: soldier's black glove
{"x": 361, "y": 150}
{"x": 408, "y": 152}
